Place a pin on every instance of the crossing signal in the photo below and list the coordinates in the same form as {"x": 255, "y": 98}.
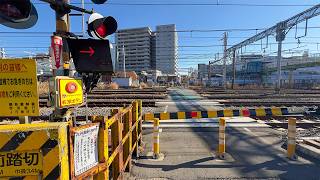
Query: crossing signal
{"x": 98, "y": 1}
{"x": 100, "y": 27}
{"x": 18, "y": 14}
{"x": 91, "y": 55}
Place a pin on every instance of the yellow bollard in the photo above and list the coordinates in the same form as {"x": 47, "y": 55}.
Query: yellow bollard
{"x": 156, "y": 138}
{"x": 291, "y": 144}
{"x": 222, "y": 136}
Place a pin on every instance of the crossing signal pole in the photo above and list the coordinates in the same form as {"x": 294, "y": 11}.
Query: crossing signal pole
{"x": 96, "y": 50}
{"x": 62, "y": 28}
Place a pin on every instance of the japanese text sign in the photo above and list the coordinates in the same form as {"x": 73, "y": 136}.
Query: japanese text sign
{"x": 70, "y": 92}
{"x": 86, "y": 149}
{"x": 18, "y": 88}
{"x": 20, "y": 163}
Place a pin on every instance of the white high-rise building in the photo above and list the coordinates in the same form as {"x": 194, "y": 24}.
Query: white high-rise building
{"x": 145, "y": 50}
{"x": 137, "y": 49}
{"x": 167, "y": 49}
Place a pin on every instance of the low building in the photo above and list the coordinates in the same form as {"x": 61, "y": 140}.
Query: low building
{"x": 127, "y": 79}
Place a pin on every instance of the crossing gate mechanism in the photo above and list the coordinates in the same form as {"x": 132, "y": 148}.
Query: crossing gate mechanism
{"x": 245, "y": 112}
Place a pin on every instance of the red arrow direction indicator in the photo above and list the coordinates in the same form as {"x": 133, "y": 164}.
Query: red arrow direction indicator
{"x": 90, "y": 51}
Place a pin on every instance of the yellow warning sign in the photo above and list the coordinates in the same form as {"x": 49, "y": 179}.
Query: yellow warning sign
{"x": 70, "y": 92}
{"x": 18, "y": 88}
{"x": 20, "y": 163}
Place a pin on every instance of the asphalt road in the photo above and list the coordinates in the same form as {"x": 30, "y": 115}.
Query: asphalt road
{"x": 187, "y": 100}
{"x": 253, "y": 153}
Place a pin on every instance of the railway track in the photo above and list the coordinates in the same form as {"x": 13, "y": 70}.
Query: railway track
{"x": 119, "y": 98}
{"x": 307, "y": 125}
{"x": 257, "y": 91}
{"x": 135, "y": 91}
{"x": 107, "y": 103}
{"x": 263, "y": 96}
{"x": 123, "y": 96}
{"x": 270, "y": 103}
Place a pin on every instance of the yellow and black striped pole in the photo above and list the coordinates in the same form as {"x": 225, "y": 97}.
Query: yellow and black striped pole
{"x": 156, "y": 138}
{"x": 222, "y": 136}
{"x": 292, "y": 132}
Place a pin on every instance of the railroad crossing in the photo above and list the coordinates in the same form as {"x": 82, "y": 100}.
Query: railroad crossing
{"x": 254, "y": 150}
{"x": 79, "y": 127}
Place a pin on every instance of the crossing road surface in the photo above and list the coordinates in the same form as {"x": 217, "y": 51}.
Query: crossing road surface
{"x": 187, "y": 100}
{"x": 253, "y": 152}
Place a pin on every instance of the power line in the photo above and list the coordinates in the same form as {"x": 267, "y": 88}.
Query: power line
{"x": 178, "y": 31}
{"x": 197, "y": 4}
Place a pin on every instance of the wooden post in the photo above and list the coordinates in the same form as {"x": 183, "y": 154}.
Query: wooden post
{"x": 116, "y": 135}
{"x": 140, "y": 122}
{"x": 135, "y": 133}
{"x": 103, "y": 146}
{"x": 128, "y": 144}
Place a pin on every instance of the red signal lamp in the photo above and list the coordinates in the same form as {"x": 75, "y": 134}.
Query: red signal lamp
{"x": 100, "y": 27}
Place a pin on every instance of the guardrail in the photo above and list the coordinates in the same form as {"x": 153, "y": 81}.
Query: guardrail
{"x": 93, "y": 150}
{"x": 125, "y": 128}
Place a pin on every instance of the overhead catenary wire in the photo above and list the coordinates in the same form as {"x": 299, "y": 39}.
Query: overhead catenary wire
{"x": 193, "y": 4}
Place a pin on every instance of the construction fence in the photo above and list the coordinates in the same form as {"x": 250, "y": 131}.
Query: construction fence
{"x": 101, "y": 149}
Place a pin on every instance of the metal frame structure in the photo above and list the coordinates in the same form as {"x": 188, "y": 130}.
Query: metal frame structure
{"x": 288, "y": 24}
{"x": 280, "y": 29}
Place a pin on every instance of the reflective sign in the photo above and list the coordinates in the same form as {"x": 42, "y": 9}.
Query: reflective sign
{"x": 86, "y": 149}
{"x": 70, "y": 92}
{"x": 20, "y": 163}
{"x": 18, "y": 88}
{"x": 56, "y": 55}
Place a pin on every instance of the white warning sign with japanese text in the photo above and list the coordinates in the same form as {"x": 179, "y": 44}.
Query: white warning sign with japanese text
{"x": 18, "y": 88}
{"x": 85, "y": 149}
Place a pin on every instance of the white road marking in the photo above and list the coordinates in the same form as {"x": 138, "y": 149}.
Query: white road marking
{"x": 159, "y": 103}
{"x": 258, "y": 137}
{"x": 275, "y": 121}
{"x": 244, "y": 120}
{"x": 204, "y": 125}
{"x": 166, "y": 109}
{"x": 307, "y": 121}
{"x": 247, "y": 129}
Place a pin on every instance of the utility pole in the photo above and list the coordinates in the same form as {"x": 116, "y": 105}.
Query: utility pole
{"x": 225, "y": 44}
{"x": 62, "y": 28}
{"x": 83, "y": 22}
{"x": 281, "y": 34}
{"x": 233, "y": 67}
{"x": 124, "y": 61}
{"x": 209, "y": 70}
{"x": 2, "y": 53}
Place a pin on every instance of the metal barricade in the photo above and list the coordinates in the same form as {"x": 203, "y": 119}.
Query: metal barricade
{"x": 124, "y": 130}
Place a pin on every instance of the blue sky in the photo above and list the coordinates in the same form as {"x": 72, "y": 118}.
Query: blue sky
{"x": 185, "y": 18}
